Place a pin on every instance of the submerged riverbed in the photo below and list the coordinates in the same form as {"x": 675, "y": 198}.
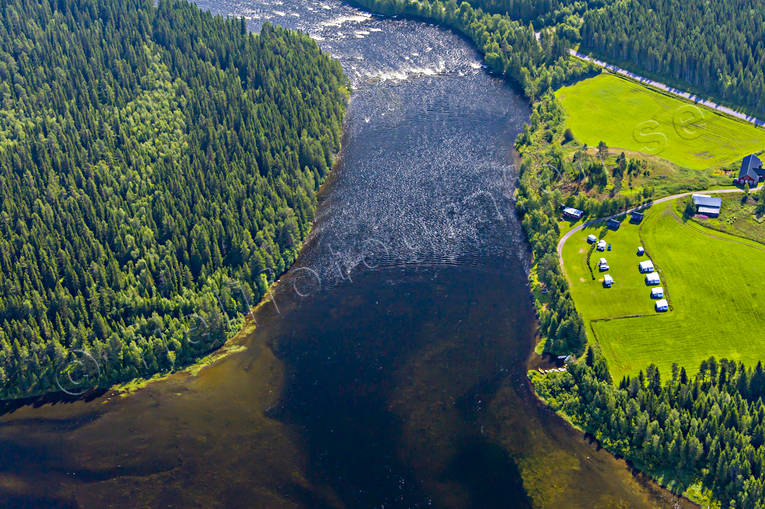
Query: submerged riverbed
{"x": 389, "y": 368}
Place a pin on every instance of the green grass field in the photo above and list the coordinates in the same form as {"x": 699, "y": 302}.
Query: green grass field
{"x": 627, "y": 115}
{"x": 715, "y": 284}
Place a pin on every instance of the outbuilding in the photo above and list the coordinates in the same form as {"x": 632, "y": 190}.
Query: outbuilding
{"x": 602, "y": 265}
{"x": 652, "y": 279}
{"x": 640, "y": 251}
{"x": 614, "y": 224}
{"x": 707, "y": 205}
{"x": 608, "y": 281}
{"x": 657, "y": 292}
{"x": 662, "y": 305}
{"x": 591, "y": 239}
{"x": 646, "y": 266}
{"x": 601, "y": 245}
{"x": 636, "y": 217}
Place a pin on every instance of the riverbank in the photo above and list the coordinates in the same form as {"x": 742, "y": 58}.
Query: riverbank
{"x": 695, "y": 495}
{"x": 234, "y": 343}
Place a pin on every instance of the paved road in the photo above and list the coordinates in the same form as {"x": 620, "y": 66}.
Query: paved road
{"x": 565, "y": 237}
{"x": 671, "y": 90}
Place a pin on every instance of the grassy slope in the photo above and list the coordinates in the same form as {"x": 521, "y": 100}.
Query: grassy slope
{"x": 713, "y": 281}
{"x": 611, "y": 109}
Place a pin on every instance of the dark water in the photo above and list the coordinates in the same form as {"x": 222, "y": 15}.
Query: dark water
{"x": 389, "y": 370}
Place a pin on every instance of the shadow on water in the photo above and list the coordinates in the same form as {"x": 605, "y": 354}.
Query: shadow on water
{"x": 354, "y": 355}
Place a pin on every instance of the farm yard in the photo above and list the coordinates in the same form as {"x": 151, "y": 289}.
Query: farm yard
{"x": 715, "y": 284}
{"x": 632, "y": 117}
{"x": 743, "y": 218}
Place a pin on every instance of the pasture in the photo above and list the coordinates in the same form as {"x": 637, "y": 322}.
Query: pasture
{"x": 714, "y": 282}
{"x": 629, "y": 116}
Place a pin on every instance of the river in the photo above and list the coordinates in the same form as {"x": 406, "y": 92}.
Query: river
{"x": 389, "y": 368}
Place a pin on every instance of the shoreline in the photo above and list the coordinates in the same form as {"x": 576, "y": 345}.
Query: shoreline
{"x": 640, "y": 476}
{"x": 233, "y": 344}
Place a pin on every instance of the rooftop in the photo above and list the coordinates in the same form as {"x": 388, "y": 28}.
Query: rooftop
{"x": 704, "y": 200}
{"x": 573, "y": 212}
{"x": 653, "y": 276}
{"x": 749, "y": 167}
{"x": 709, "y": 210}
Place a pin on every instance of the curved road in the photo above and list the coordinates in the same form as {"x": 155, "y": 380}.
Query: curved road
{"x": 671, "y": 90}
{"x": 568, "y": 234}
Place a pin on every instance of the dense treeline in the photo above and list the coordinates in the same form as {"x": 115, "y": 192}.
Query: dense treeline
{"x": 563, "y": 13}
{"x": 508, "y": 47}
{"x": 149, "y": 156}
{"x": 711, "y": 47}
{"x": 539, "y": 209}
{"x": 709, "y": 428}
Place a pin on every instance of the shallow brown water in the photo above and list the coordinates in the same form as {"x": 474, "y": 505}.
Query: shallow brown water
{"x": 404, "y": 388}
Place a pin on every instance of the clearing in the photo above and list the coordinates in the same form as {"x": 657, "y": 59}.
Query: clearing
{"x": 711, "y": 279}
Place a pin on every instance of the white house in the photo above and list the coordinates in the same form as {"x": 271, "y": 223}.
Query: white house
{"x": 641, "y": 251}
{"x": 603, "y": 265}
{"x": 652, "y": 279}
{"x": 662, "y": 305}
{"x": 591, "y": 239}
{"x": 572, "y": 214}
{"x": 602, "y": 245}
{"x": 657, "y": 292}
{"x": 646, "y": 266}
{"x": 608, "y": 281}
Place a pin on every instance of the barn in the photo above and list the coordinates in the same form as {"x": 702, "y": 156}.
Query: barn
{"x": 751, "y": 171}
{"x": 707, "y": 205}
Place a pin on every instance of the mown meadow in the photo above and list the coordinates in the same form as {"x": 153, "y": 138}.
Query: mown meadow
{"x": 625, "y": 114}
